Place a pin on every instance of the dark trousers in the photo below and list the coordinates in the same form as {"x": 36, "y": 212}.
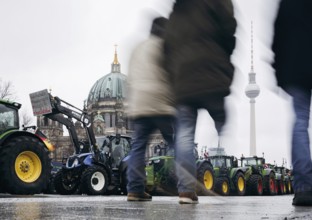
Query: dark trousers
{"x": 300, "y": 149}
{"x": 143, "y": 127}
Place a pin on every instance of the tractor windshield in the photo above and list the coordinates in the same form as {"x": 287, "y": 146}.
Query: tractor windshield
{"x": 120, "y": 149}
{"x": 217, "y": 162}
{"x": 249, "y": 162}
{"x": 8, "y": 118}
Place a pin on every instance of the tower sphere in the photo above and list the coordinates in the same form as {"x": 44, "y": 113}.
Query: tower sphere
{"x": 252, "y": 90}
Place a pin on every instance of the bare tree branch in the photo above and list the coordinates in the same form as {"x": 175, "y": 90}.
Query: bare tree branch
{"x": 26, "y": 119}
{"x": 6, "y": 90}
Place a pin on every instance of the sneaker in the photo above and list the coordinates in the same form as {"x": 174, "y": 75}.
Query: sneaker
{"x": 188, "y": 198}
{"x": 136, "y": 197}
{"x": 303, "y": 199}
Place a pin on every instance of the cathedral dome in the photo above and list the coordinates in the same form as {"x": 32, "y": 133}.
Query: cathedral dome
{"x": 110, "y": 86}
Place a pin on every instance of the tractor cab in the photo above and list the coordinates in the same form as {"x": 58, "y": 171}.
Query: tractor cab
{"x": 120, "y": 148}
{"x": 223, "y": 161}
{"x": 116, "y": 147}
{"x": 9, "y": 116}
{"x": 252, "y": 161}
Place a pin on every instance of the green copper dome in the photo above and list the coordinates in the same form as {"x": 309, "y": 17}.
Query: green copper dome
{"x": 110, "y": 86}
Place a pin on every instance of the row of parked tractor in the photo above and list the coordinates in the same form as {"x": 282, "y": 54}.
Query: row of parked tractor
{"x": 223, "y": 175}
{"x": 216, "y": 175}
{"x": 99, "y": 164}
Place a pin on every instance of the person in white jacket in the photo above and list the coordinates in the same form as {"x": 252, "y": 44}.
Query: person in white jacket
{"x": 151, "y": 105}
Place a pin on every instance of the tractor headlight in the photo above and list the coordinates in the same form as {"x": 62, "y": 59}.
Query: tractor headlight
{"x": 76, "y": 162}
{"x": 86, "y": 121}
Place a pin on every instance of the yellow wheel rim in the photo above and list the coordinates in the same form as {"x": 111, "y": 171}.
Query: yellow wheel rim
{"x": 28, "y": 166}
{"x": 241, "y": 184}
{"x": 208, "y": 180}
{"x": 225, "y": 187}
{"x": 289, "y": 186}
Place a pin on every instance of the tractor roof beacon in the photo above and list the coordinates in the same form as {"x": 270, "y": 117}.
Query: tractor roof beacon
{"x": 25, "y": 165}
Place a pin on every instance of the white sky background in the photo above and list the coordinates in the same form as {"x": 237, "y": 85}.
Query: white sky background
{"x": 67, "y": 45}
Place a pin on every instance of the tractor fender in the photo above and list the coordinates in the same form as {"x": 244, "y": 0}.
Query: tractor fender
{"x": 266, "y": 172}
{"x": 247, "y": 171}
{"x": 17, "y": 133}
{"x": 199, "y": 163}
{"x": 244, "y": 169}
{"x": 234, "y": 171}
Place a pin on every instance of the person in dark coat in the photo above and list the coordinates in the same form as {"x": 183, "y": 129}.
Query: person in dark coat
{"x": 198, "y": 44}
{"x": 292, "y": 45}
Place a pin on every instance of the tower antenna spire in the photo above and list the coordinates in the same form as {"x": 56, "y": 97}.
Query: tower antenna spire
{"x": 251, "y": 48}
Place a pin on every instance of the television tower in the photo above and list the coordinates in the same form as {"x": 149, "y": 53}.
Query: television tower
{"x": 252, "y": 91}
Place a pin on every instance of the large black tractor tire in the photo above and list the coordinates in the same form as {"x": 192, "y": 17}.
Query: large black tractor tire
{"x": 25, "y": 166}
{"x": 270, "y": 182}
{"x": 255, "y": 185}
{"x": 205, "y": 179}
{"x": 64, "y": 184}
{"x": 222, "y": 186}
{"x": 94, "y": 181}
{"x": 239, "y": 184}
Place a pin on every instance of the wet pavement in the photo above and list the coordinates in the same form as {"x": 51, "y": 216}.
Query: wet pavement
{"x": 162, "y": 207}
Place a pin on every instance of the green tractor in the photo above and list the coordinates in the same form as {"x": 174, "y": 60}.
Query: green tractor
{"x": 229, "y": 177}
{"x": 161, "y": 178}
{"x": 260, "y": 178}
{"x": 280, "y": 187}
{"x": 25, "y": 166}
{"x": 284, "y": 184}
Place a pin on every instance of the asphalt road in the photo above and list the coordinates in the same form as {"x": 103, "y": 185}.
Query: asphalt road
{"x": 162, "y": 207}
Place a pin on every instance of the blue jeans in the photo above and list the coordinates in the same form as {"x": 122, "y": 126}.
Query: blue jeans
{"x": 184, "y": 146}
{"x": 143, "y": 127}
{"x": 300, "y": 151}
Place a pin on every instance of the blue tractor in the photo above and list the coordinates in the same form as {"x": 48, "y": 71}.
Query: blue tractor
{"x": 98, "y": 165}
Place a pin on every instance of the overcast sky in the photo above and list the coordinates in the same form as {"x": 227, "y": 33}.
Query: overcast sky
{"x": 66, "y": 45}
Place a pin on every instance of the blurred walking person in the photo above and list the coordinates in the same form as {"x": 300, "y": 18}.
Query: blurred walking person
{"x": 198, "y": 44}
{"x": 292, "y": 45}
{"x": 150, "y": 105}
